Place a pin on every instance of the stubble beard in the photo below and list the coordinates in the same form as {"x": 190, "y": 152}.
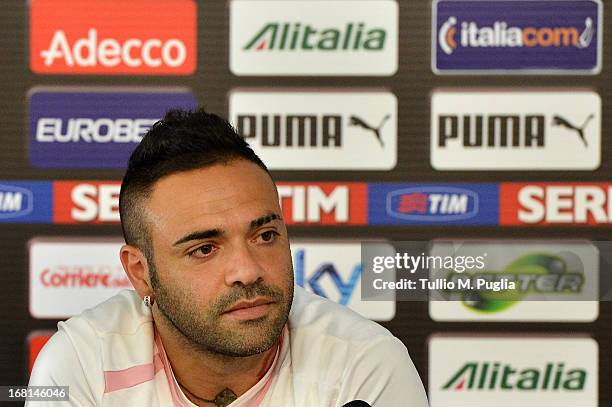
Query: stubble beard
{"x": 211, "y": 332}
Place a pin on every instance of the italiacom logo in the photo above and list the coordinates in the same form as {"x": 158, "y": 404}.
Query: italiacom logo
{"x": 541, "y": 36}
{"x": 296, "y": 37}
{"x": 489, "y": 375}
{"x": 292, "y": 130}
{"x": 80, "y": 37}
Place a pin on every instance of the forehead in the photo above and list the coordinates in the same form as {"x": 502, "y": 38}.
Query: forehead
{"x": 218, "y": 196}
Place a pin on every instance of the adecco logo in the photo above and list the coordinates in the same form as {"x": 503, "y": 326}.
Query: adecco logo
{"x": 298, "y": 37}
{"x": 332, "y": 269}
{"x": 69, "y": 276}
{"x": 112, "y": 37}
{"x": 511, "y": 371}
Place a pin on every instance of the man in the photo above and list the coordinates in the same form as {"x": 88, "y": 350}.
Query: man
{"x": 215, "y": 318}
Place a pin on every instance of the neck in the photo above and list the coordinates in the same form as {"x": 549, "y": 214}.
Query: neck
{"x": 205, "y": 375}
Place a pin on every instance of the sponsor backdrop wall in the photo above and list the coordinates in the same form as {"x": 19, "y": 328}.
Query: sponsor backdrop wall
{"x": 385, "y": 120}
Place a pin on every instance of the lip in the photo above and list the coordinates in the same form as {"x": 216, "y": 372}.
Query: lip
{"x": 250, "y": 309}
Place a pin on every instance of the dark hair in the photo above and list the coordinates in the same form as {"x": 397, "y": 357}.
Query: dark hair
{"x": 181, "y": 141}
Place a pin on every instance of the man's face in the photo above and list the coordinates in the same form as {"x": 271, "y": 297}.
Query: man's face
{"x": 222, "y": 270}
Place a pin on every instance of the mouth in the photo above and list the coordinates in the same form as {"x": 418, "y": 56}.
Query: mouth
{"x": 245, "y": 310}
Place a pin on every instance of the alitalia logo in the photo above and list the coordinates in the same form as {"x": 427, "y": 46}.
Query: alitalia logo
{"x": 483, "y": 376}
{"x": 354, "y": 36}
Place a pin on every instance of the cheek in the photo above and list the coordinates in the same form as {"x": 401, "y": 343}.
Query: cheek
{"x": 278, "y": 265}
{"x": 188, "y": 284}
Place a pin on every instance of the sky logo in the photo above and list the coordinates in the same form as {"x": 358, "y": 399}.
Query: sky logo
{"x": 95, "y": 129}
{"x": 333, "y": 269}
{"x": 540, "y": 36}
{"x": 345, "y": 288}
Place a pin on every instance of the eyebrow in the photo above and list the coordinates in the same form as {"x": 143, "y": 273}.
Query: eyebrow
{"x": 207, "y": 234}
{"x": 199, "y": 235}
{"x": 255, "y": 223}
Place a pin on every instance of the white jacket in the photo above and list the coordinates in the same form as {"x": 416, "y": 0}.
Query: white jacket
{"x": 109, "y": 356}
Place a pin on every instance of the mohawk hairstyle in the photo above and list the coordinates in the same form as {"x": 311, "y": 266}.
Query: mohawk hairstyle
{"x": 181, "y": 141}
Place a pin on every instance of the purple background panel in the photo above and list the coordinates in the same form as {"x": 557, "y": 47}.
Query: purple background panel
{"x": 518, "y": 13}
{"x": 95, "y": 105}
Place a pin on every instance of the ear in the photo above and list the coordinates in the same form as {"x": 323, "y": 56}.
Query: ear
{"x": 137, "y": 269}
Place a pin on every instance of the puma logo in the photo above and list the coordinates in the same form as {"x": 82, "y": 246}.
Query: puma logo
{"x": 560, "y": 121}
{"x": 356, "y": 121}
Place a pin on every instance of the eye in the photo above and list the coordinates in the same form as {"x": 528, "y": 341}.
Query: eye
{"x": 268, "y": 236}
{"x": 203, "y": 251}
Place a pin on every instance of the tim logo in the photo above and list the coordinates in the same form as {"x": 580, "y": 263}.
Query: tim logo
{"x": 326, "y": 280}
{"x": 15, "y": 202}
{"x": 432, "y": 204}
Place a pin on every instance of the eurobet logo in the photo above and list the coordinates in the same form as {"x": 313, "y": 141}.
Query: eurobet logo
{"x": 298, "y": 37}
{"x": 112, "y": 37}
{"x": 68, "y": 276}
{"x": 95, "y": 128}
{"x": 555, "y": 281}
{"x": 25, "y": 202}
{"x": 541, "y": 36}
{"x": 332, "y": 269}
{"x": 548, "y": 204}
{"x": 509, "y": 371}
{"x": 432, "y": 204}
{"x": 323, "y": 203}
{"x": 319, "y": 130}
{"x": 510, "y": 130}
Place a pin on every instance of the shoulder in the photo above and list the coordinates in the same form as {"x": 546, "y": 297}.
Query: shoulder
{"x": 106, "y": 337}
{"x": 312, "y": 315}
{"x": 338, "y": 335}
{"x": 336, "y": 349}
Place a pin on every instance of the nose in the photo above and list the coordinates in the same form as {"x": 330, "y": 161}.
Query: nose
{"x": 243, "y": 268}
